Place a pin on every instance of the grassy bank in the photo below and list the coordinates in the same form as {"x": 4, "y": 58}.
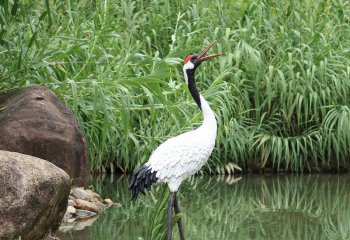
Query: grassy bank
{"x": 280, "y": 93}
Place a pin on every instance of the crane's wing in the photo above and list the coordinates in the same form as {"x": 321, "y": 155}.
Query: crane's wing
{"x": 180, "y": 157}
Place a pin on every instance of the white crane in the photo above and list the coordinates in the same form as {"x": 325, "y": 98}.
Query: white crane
{"x": 182, "y": 156}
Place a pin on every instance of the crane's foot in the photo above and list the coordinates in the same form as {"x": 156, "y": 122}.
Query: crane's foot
{"x": 170, "y": 215}
{"x": 179, "y": 222}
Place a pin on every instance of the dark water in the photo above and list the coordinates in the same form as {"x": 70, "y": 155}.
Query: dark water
{"x": 253, "y": 207}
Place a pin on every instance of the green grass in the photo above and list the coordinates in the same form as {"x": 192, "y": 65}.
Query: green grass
{"x": 280, "y": 93}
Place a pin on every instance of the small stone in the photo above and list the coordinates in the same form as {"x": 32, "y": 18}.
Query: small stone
{"x": 86, "y": 222}
{"x": 84, "y": 213}
{"x": 71, "y": 203}
{"x": 71, "y": 220}
{"x": 66, "y": 217}
{"x": 67, "y": 226}
{"x": 94, "y": 196}
{"x": 71, "y": 210}
{"x": 117, "y": 204}
{"x": 85, "y": 205}
{"x": 100, "y": 205}
{"x": 108, "y": 202}
{"x": 50, "y": 236}
{"x": 80, "y": 193}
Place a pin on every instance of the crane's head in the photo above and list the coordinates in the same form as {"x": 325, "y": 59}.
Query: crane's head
{"x": 193, "y": 60}
{"x": 191, "y": 63}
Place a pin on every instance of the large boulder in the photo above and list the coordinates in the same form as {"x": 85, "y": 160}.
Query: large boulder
{"x": 33, "y": 196}
{"x": 35, "y": 122}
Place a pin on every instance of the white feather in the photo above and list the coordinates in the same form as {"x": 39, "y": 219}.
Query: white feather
{"x": 182, "y": 156}
{"x": 188, "y": 65}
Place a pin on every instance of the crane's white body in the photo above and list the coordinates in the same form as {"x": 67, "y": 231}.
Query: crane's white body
{"x": 182, "y": 156}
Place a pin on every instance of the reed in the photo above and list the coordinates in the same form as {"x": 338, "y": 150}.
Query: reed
{"x": 280, "y": 92}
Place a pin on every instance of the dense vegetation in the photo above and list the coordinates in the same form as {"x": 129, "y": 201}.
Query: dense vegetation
{"x": 280, "y": 93}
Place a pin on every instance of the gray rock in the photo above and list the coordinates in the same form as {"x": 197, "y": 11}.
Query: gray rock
{"x": 35, "y": 122}
{"x": 33, "y": 196}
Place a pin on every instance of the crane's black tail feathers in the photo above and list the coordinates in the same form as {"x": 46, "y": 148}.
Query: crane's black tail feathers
{"x": 142, "y": 178}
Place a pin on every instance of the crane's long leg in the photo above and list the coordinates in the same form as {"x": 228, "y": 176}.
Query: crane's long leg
{"x": 179, "y": 222}
{"x": 170, "y": 215}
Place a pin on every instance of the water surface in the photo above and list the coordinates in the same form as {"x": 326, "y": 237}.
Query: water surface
{"x": 250, "y": 207}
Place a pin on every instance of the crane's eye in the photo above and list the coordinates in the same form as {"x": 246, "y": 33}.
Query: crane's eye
{"x": 194, "y": 59}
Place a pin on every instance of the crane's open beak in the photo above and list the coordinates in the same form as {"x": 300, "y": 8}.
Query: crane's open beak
{"x": 202, "y": 57}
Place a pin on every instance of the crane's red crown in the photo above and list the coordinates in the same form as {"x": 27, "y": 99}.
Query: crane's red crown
{"x": 188, "y": 58}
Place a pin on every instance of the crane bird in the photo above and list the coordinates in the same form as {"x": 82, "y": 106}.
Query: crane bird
{"x": 181, "y": 156}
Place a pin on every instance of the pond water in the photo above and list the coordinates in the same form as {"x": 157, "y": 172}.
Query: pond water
{"x": 246, "y": 207}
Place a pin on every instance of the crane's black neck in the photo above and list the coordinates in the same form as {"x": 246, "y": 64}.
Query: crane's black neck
{"x": 192, "y": 87}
